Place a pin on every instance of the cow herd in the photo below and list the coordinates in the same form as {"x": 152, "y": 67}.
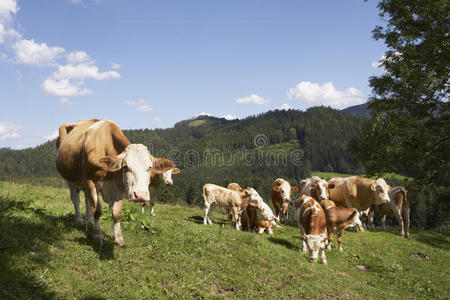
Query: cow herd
{"x": 94, "y": 156}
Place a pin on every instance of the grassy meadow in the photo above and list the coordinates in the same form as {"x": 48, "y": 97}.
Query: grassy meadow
{"x": 44, "y": 255}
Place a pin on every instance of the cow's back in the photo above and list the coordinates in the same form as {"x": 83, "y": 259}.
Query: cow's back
{"x": 312, "y": 217}
{"x": 68, "y": 157}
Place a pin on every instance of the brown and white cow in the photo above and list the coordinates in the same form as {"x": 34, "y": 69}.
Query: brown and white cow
{"x": 96, "y": 157}
{"x": 257, "y": 214}
{"x": 313, "y": 227}
{"x": 399, "y": 206}
{"x": 339, "y": 219}
{"x": 229, "y": 198}
{"x": 358, "y": 192}
{"x": 315, "y": 187}
{"x": 281, "y": 198}
{"x": 157, "y": 180}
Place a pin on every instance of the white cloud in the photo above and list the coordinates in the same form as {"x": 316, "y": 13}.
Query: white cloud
{"x": 63, "y": 88}
{"x": 313, "y": 94}
{"x": 205, "y": 114}
{"x": 253, "y": 99}
{"x": 32, "y": 53}
{"x": 8, "y": 8}
{"x": 284, "y": 106}
{"x": 116, "y": 66}
{"x": 76, "y": 1}
{"x": 77, "y": 57}
{"x": 9, "y": 131}
{"x": 65, "y": 100}
{"x": 7, "y": 34}
{"x": 140, "y": 104}
{"x": 83, "y": 71}
{"x": 51, "y": 136}
{"x": 229, "y": 117}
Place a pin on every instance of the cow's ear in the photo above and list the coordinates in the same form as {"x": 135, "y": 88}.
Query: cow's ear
{"x": 277, "y": 188}
{"x": 331, "y": 185}
{"x": 294, "y": 189}
{"x": 110, "y": 163}
{"x": 161, "y": 165}
{"x": 254, "y": 205}
{"x": 373, "y": 187}
{"x": 302, "y": 237}
{"x": 176, "y": 171}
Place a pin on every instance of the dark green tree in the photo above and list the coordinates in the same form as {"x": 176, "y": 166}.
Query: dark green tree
{"x": 410, "y": 125}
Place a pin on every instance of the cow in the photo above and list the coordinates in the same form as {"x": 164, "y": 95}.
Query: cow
{"x": 314, "y": 187}
{"x": 313, "y": 227}
{"x": 96, "y": 157}
{"x": 257, "y": 214}
{"x": 339, "y": 219}
{"x": 281, "y": 198}
{"x": 399, "y": 206}
{"x": 358, "y": 192}
{"x": 233, "y": 200}
{"x": 157, "y": 180}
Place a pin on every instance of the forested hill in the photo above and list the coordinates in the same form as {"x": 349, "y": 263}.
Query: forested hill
{"x": 253, "y": 151}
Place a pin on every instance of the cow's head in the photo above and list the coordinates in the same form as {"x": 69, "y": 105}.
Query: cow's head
{"x": 314, "y": 243}
{"x": 136, "y": 163}
{"x": 319, "y": 190}
{"x": 380, "y": 189}
{"x": 167, "y": 175}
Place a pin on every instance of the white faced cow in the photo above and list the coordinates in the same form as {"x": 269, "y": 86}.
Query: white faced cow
{"x": 96, "y": 157}
{"x": 315, "y": 187}
{"x": 157, "y": 180}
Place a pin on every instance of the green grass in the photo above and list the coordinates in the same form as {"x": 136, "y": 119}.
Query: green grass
{"x": 44, "y": 255}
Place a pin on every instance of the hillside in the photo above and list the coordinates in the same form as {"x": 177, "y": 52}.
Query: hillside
{"x": 361, "y": 110}
{"x": 43, "y": 255}
{"x": 253, "y": 151}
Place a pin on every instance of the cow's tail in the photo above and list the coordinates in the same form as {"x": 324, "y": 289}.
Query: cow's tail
{"x": 352, "y": 216}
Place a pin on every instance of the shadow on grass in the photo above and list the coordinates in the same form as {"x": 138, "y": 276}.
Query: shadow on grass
{"x": 199, "y": 220}
{"x": 434, "y": 239}
{"x": 284, "y": 243}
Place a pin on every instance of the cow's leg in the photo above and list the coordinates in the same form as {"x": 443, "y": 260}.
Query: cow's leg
{"x": 96, "y": 207}
{"x": 399, "y": 218}
{"x": 371, "y": 225}
{"x": 143, "y": 207}
{"x": 324, "y": 258}
{"x": 75, "y": 197}
{"x": 339, "y": 240}
{"x": 207, "y": 219}
{"x": 383, "y": 222}
{"x": 329, "y": 238}
{"x": 304, "y": 247}
{"x": 116, "y": 208}
{"x": 152, "y": 204}
{"x": 269, "y": 231}
{"x": 406, "y": 220}
{"x": 237, "y": 218}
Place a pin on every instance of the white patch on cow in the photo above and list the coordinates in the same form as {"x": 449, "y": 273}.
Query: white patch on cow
{"x": 93, "y": 128}
{"x": 137, "y": 165}
{"x": 329, "y": 207}
{"x": 285, "y": 188}
{"x": 167, "y": 177}
{"x": 323, "y": 189}
{"x": 382, "y": 192}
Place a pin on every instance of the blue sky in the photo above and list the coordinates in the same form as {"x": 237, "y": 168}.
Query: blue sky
{"x": 150, "y": 64}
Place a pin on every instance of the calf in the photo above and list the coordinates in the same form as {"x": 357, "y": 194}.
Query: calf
{"x": 313, "y": 227}
{"x": 157, "y": 180}
{"x": 339, "y": 219}
{"x": 257, "y": 213}
{"x": 216, "y": 194}
{"x": 281, "y": 198}
{"x": 399, "y": 206}
{"x": 314, "y": 187}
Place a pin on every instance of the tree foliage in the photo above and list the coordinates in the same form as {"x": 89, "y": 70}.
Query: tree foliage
{"x": 410, "y": 125}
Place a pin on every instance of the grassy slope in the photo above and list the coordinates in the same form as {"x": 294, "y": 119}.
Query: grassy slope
{"x": 43, "y": 253}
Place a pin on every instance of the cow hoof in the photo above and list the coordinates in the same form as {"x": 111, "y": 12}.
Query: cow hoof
{"x": 328, "y": 247}
{"x": 324, "y": 262}
{"x": 119, "y": 241}
{"x": 340, "y": 249}
{"x": 153, "y": 215}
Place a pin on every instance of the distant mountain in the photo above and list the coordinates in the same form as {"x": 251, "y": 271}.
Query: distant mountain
{"x": 361, "y": 110}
